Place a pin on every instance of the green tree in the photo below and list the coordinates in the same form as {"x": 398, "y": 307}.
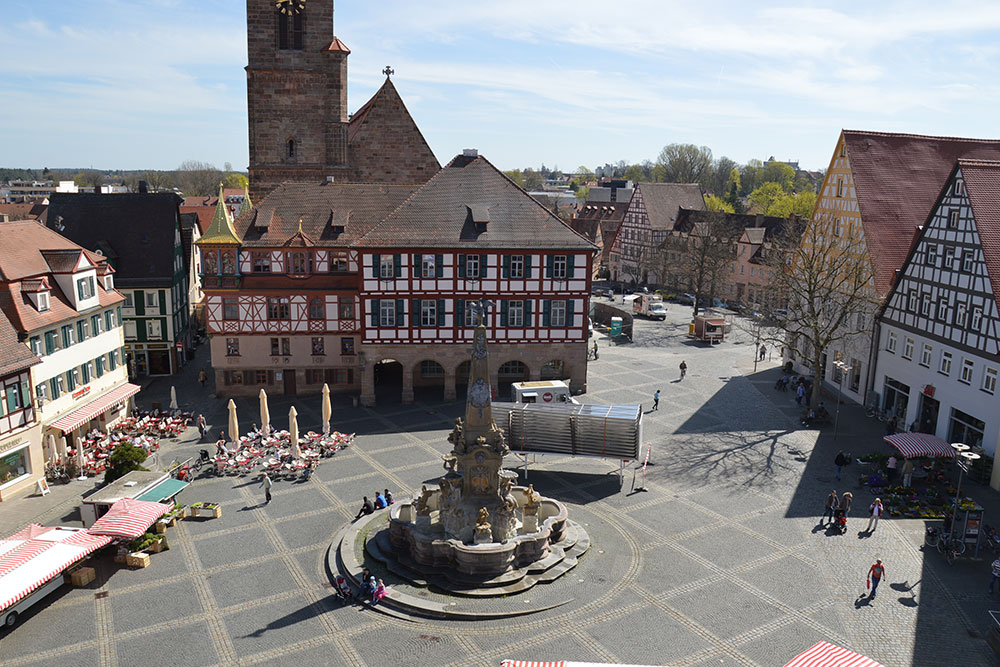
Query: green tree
{"x": 722, "y": 169}
{"x": 750, "y": 176}
{"x": 88, "y": 178}
{"x": 686, "y": 163}
{"x": 532, "y": 180}
{"x": 516, "y": 176}
{"x": 635, "y": 174}
{"x": 778, "y": 172}
{"x": 713, "y": 203}
{"x": 236, "y": 180}
{"x": 126, "y": 458}
{"x": 765, "y": 198}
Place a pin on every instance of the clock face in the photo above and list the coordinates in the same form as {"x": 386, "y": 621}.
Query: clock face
{"x": 290, "y": 6}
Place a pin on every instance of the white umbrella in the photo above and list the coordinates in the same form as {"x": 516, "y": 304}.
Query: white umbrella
{"x": 173, "y": 397}
{"x": 327, "y": 410}
{"x": 62, "y": 446}
{"x": 234, "y": 424}
{"x": 293, "y": 432}
{"x": 79, "y": 461}
{"x": 50, "y": 448}
{"x": 265, "y": 415}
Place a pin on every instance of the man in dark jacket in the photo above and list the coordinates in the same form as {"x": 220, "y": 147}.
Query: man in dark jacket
{"x": 366, "y": 508}
{"x": 840, "y": 462}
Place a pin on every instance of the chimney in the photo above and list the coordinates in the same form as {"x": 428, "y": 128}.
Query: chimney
{"x": 470, "y": 152}
{"x": 97, "y": 189}
{"x": 143, "y": 188}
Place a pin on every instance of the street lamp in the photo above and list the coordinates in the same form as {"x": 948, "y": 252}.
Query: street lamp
{"x": 842, "y": 369}
{"x": 963, "y": 467}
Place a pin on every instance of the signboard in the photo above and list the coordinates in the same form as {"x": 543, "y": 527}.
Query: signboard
{"x": 547, "y": 397}
{"x": 80, "y": 393}
{"x": 929, "y": 390}
{"x": 42, "y": 486}
{"x": 10, "y": 443}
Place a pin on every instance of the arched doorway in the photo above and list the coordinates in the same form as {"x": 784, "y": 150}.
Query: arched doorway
{"x": 462, "y": 380}
{"x": 553, "y": 370}
{"x": 510, "y": 371}
{"x": 388, "y": 381}
{"x": 428, "y": 381}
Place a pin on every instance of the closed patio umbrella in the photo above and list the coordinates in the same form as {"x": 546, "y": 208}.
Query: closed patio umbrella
{"x": 265, "y": 414}
{"x": 50, "y": 448}
{"x": 293, "y": 432}
{"x": 81, "y": 476}
{"x": 234, "y": 424}
{"x": 62, "y": 446}
{"x": 327, "y": 410}
{"x": 173, "y": 397}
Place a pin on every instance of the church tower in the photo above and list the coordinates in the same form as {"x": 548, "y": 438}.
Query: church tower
{"x": 296, "y": 94}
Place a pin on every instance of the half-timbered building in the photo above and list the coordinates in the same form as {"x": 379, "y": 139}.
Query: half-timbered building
{"x": 939, "y": 331}
{"x": 363, "y": 286}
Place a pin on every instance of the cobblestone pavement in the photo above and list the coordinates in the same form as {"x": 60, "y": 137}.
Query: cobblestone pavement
{"x": 718, "y": 561}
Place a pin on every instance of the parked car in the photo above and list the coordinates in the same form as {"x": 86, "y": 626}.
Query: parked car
{"x": 686, "y": 299}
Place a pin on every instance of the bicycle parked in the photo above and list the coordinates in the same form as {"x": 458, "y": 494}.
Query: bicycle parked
{"x": 942, "y": 540}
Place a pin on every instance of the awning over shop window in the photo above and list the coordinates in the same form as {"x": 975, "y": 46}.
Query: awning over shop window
{"x": 913, "y": 445}
{"x": 128, "y": 518}
{"x": 81, "y": 416}
{"x": 825, "y": 654}
{"x": 163, "y": 491}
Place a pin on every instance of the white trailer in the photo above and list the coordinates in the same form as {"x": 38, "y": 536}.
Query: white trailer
{"x": 543, "y": 391}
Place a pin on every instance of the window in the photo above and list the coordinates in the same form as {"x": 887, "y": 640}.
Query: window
{"x": 932, "y": 254}
{"x": 428, "y": 313}
{"x": 299, "y": 263}
{"x": 318, "y": 346}
{"x": 837, "y": 224}
{"x": 926, "y": 354}
{"x": 342, "y": 376}
{"x": 130, "y": 330}
{"x": 35, "y": 343}
{"x": 317, "y": 309}
{"x": 472, "y": 267}
{"x": 967, "y": 258}
{"x": 81, "y": 330}
{"x": 281, "y": 347}
{"x": 945, "y": 367}
{"x": 908, "y": 348}
{"x": 338, "y": 262}
{"x": 431, "y": 369}
{"x": 840, "y": 187}
{"x": 345, "y": 305}
{"x": 152, "y": 299}
{"x": 959, "y": 188}
{"x": 386, "y": 267}
{"x": 67, "y": 335}
{"x": 290, "y": 30}
{"x": 291, "y": 149}
{"x": 278, "y": 308}
{"x": 128, "y": 300}
{"x": 515, "y": 313}
{"x": 559, "y": 267}
{"x": 154, "y": 329}
{"x": 861, "y": 322}
{"x": 43, "y": 301}
{"x": 109, "y": 320}
{"x": 890, "y": 344}
{"x": 427, "y": 267}
{"x": 990, "y": 380}
{"x": 942, "y": 311}
{"x": 968, "y": 371}
{"x": 855, "y": 375}
{"x": 926, "y": 307}
{"x": 13, "y": 392}
{"x": 85, "y": 288}
{"x": 71, "y": 376}
{"x": 85, "y": 372}
{"x": 112, "y": 360}
{"x": 41, "y": 390}
{"x": 387, "y": 313}
{"x": 230, "y": 308}
{"x": 557, "y": 317}
{"x": 232, "y": 377}
{"x": 264, "y": 377}
{"x": 966, "y": 429}
{"x": 977, "y": 318}
{"x": 949, "y": 259}
{"x": 517, "y": 266}
{"x": 95, "y": 324}
{"x": 315, "y": 376}
{"x": 960, "y": 315}
{"x": 100, "y": 365}
{"x": 912, "y": 302}
{"x": 56, "y": 387}
{"x": 953, "y": 219}
{"x": 261, "y": 262}
{"x": 232, "y": 347}
{"x": 347, "y": 346}
{"x": 469, "y": 318}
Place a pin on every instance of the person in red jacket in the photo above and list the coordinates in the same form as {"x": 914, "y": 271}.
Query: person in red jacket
{"x": 875, "y": 574}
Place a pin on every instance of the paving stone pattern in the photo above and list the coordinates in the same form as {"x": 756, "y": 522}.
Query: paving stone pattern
{"x": 717, "y": 561}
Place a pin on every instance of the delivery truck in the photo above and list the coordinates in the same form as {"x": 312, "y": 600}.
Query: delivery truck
{"x": 648, "y": 305}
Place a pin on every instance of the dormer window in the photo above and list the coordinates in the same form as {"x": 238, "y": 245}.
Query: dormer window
{"x": 109, "y": 283}
{"x": 43, "y": 301}
{"x": 85, "y": 288}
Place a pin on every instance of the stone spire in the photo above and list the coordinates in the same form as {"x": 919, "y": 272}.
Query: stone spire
{"x": 479, "y": 403}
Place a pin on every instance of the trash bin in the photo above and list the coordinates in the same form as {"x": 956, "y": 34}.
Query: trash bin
{"x": 354, "y": 399}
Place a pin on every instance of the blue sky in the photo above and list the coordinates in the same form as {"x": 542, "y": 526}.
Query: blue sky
{"x": 151, "y": 83}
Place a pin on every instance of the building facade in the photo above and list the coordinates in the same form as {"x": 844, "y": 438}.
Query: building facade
{"x": 62, "y": 303}
{"x": 21, "y": 461}
{"x": 939, "y": 334}
{"x": 152, "y": 270}
{"x": 371, "y": 289}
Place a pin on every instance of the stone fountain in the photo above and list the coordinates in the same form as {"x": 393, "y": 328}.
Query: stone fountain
{"x": 476, "y": 521}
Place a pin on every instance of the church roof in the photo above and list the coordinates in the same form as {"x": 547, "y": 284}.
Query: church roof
{"x": 384, "y": 143}
{"x": 897, "y": 178}
{"x": 332, "y": 214}
{"x": 441, "y": 214}
{"x": 221, "y": 231}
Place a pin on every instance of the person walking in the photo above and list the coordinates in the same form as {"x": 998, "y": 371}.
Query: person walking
{"x": 874, "y": 512}
{"x": 875, "y": 574}
{"x": 656, "y": 400}
{"x": 891, "y": 425}
{"x": 763, "y": 352}
{"x": 840, "y": 462}
{"x": 846, "y": 502}
{"x": 800, "y": 393}
{"x": 995, "y": 579}
{"x": 266, "y": 483}
{"x": 684, "y": 369}
{"x": 596, "y": 356}
{"x": 832, "y": 504}
{"x": 202, "y": 427}
{"x": 202, "y": 377}
{"x": 907, "y": 472}
{"x": 890, "y": 468}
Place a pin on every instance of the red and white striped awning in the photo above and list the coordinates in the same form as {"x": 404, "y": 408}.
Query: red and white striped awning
{"x": 129, "y": 518}
{"x": 81, "y": 416}
{"x": 825, "y": 654}
{"x": 913, "y": 445}
{"x": 36, "y": 554}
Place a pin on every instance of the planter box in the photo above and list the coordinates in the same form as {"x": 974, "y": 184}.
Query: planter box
{"x": 216, "y": 512}
{"x": 121, "y": 554}
{"x": 137, "y": 560}
{"x": 160, "y": 527}
{"x": 195, "y": 511}
{"x": 158, "y": 546}
{"x": 82, "y": 576}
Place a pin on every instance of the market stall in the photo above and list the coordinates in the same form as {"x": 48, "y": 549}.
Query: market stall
{"x": 134, "y": 485}
{"x": 825, "y": 654}
{"x": 917, "y": 445}
{"x": 129, "y": 518}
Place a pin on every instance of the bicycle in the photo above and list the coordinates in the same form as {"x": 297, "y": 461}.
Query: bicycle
{"x": 945, "y": 544}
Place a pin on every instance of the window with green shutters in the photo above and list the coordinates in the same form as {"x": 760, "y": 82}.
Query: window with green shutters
{"x": 67, "y": 335}
{"x": 85, "y": 372}
{"x": 95, "y": 324}
{"x": 36, "y": 344}
{"x": 99, "y": 364}
{"x": 50, "y": 342}
{"x": 81, "y": 330}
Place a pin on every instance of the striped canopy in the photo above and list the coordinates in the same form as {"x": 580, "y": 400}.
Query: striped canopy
{"x": 913, "y": 445}
{"x": 825, "y": 654}
{"x": 33, "y": 556}
{"x": 129, "y": 518}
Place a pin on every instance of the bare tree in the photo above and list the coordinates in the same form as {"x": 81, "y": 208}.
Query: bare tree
{"x": 685, "y": 163}
{"x": 705, "y": 251}
{"x": 198, "y": 178}
{"x": 828, "y": 287}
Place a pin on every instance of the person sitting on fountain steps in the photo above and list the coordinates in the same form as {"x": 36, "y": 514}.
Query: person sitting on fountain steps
{"x": 366, "y": 508}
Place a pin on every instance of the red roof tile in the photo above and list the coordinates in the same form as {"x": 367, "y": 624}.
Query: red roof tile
{"x": 982, "y": 183}
{"x": 14, "y": 355}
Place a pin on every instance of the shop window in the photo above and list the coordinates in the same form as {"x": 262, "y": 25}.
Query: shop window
{"x": 966, "y": 429}
{"x": 347, "y": 346}
{"x": 14, "y": 465}
{"x": 232, "y": 347}
{"x": 318, "y": 346}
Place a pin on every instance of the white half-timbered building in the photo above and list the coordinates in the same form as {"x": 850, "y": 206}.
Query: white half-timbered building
{"x": 939, "y": 332}
{"x": 368, "y": 287}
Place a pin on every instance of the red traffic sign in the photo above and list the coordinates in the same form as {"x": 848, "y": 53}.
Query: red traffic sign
{"x": 547, "y": 397}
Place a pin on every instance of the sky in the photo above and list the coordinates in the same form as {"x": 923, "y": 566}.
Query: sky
{"x": 132, "y": 84}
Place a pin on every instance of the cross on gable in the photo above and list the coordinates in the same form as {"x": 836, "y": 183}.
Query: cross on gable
{"x": 388, "y": 71}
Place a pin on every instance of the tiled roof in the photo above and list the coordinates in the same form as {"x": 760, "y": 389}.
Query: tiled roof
{"x": 766, "y": 224}
{"x": 337, "y": 45}
{"x": 897, "y": 179}
{"x": 204, "y": 214}
{"x": 21, "y": 244}
{"x": 602, "y": 210}
{"x": 35, "y": 285}
{"x": 135, "y": 230}
{"x": 25, "y": 317}
{"x": 586, "y": 228}
{"x": 221, "y": 228}
{"x": 664, "y": 200}
{"x": 439, "y": 214}
{"x": 29, "y": 211}
{"x": 982, "y": 183}
{"x": 323, "y": 209}
{"x": 201, "y": 200}
{"x": 14, "y": 355}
